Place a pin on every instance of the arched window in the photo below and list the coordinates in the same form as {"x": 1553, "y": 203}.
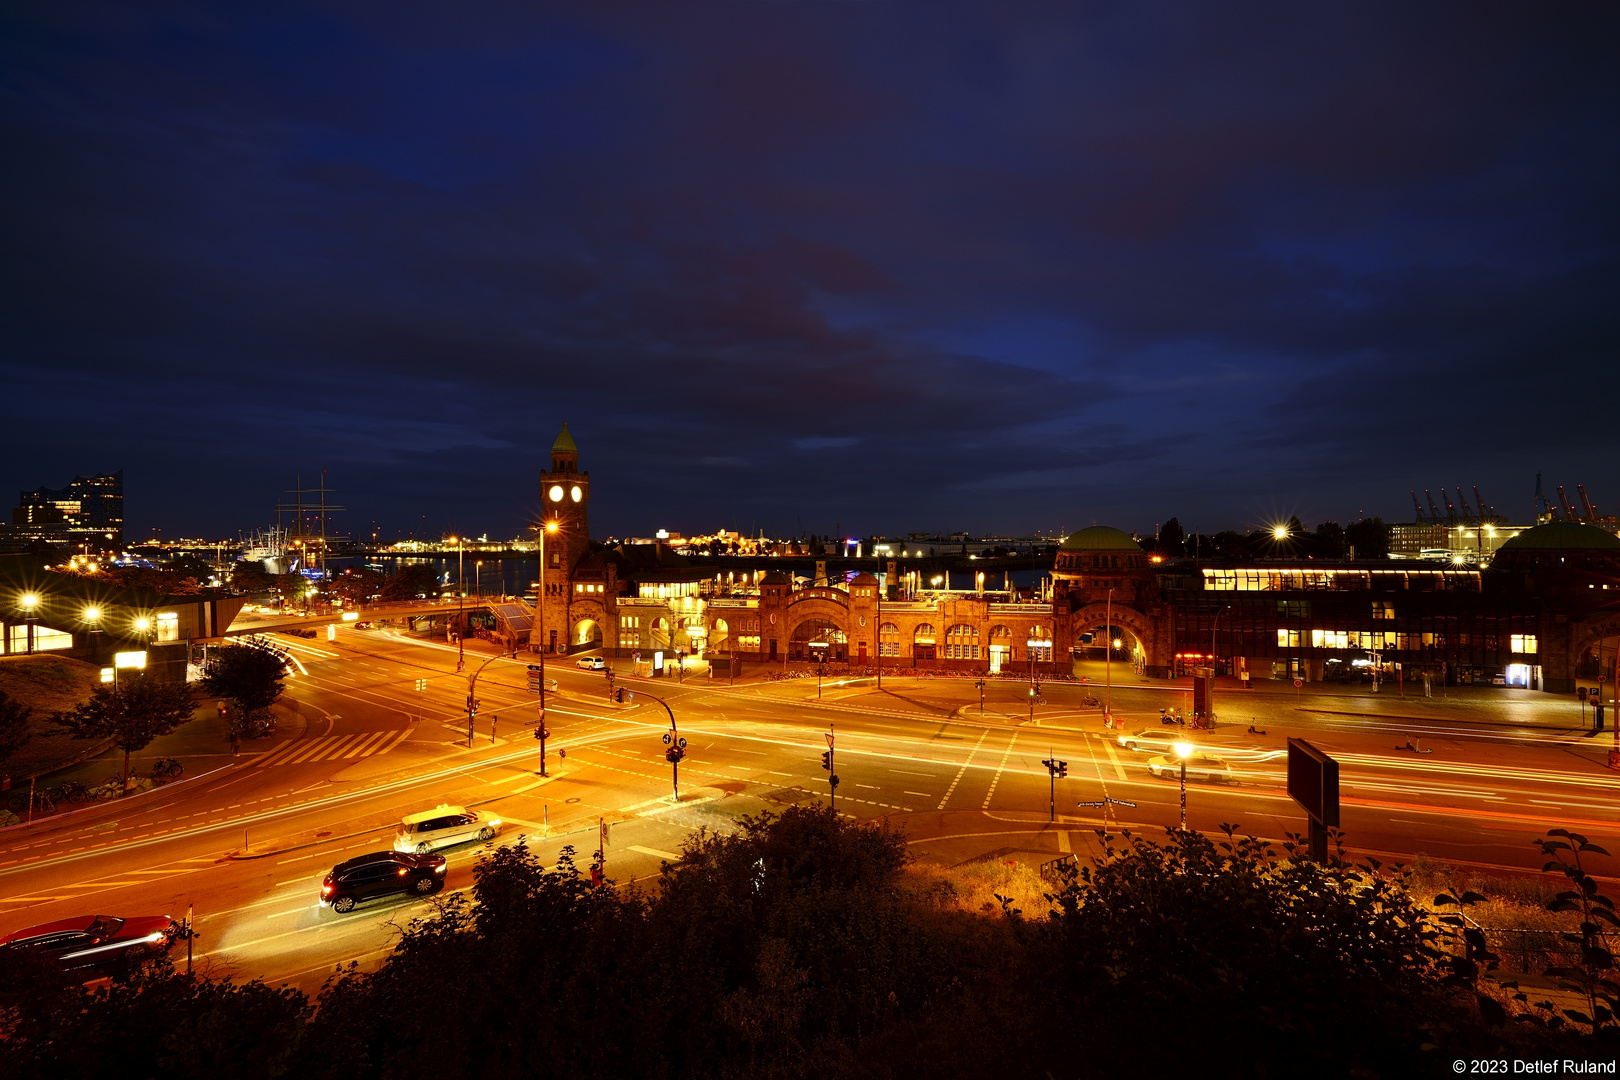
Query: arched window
{"x": 923, "y": 635}
{"x": 1040, "y": 644}
{"x": 888, "y": 640}
{"x": 962, "y": 642}
{"x": 1000, "y": 635}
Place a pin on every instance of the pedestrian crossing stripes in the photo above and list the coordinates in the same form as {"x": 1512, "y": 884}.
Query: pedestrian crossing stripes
{"x": 333, "y": 748}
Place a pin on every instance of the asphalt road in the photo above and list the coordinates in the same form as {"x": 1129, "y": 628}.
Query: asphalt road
{"x": 384, "y": 735}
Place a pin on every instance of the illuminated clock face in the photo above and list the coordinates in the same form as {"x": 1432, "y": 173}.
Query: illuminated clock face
{"x": 556, "y": 493}
{"x": 575, "y": 494}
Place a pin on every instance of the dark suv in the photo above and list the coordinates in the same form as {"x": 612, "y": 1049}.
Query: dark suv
{"x": 382, "y": 873}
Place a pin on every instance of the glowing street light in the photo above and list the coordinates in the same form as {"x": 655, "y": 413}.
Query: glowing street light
{"x": 29, "y": 601}
{"x": 1279, "y": 532}
{"x": 1184, "y": 751}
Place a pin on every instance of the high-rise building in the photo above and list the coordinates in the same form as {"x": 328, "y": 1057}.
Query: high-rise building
{"x": 88, "y": 513}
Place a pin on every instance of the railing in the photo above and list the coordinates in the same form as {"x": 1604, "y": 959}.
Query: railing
{"x": 1021, "y": 609}
{"x": 837, "y": 596}
{"x": 739, "y": 602}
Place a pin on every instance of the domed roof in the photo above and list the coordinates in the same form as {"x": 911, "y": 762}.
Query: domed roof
{"x": 863, "y": 578}
{"x": 564, "y": 443}
{"x": 1563, "y": 536}
{"x": 1101, "y": 538}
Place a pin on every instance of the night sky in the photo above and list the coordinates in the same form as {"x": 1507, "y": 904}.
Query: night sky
{"x": 871, "y": 267}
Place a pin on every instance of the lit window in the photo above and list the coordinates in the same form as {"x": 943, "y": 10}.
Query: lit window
{"x": 1522, "y": 643}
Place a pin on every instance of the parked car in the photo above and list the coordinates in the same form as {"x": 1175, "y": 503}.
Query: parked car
{"x": 382, "y": 873}
{"x": 591, "y": 663}
{"x": 1199, "y": 767}
{"x": 443, "y": 826}
{"x": 96, "y": 940}
{"x": 1160, "y": 740}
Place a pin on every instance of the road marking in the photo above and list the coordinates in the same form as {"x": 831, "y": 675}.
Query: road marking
{"x": 294, "y": 881}
{"x": 997, "y": 778}
{"x": 293, "y": 911}
{"x": 1063, "y": 843}
{"x": 328, "y": 851}
{"x": 1119, "y": 769}
{"x": 960, "y": 772}
{"x": 740, "y": 750}
{"x": 924, "y": 794}
{"x": 869, "y": 787}
{"x": 908, "y": 772}
{"x": 526, "y": 824}
{"x": 514, "y": 778}
{"x": 333, "y": 747}
{"x": 538, "y": 783}
{"x": 773, "y": 772}
{"x": 669, "y": 856}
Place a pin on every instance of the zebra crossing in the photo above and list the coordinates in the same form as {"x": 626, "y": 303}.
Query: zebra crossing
{"x": 333, "y": 748}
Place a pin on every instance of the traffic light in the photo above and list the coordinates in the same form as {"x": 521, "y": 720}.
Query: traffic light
{"x": 674, "y": 754}
{"x": 826, "y": 760}
{"x": 618, "y": 694}
{"x": 540, "y": 733}
{"x": 1063, "y": 768}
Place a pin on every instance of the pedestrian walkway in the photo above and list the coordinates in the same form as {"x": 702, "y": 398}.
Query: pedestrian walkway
{"x": 333, "y": 747}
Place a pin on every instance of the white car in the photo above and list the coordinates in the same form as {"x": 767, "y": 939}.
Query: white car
{"x": 591, "y": 663}
{"x": 1199, "y": 767}
{"x": 442, "y": 826}
{"x": 1159, "y": 740}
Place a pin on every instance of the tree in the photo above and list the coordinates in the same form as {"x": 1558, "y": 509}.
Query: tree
{"x": 251, "y": 577}
{"x": 409, "y": 581}
{"x": 133, "y": 714}
{"x": 1370, "y": 538}
{"x": 356, "y": 586}
{"x": 14, "y": 733}
{"x": 1170, "y": 539}
{"x": 1329, "y": 540}
{"x": 251, "y": 678}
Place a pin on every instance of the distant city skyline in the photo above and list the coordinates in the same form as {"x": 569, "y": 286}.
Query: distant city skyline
{"x": 865, "y": 268}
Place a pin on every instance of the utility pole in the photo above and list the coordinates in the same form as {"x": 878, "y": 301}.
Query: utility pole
{"x": 1054, "y": 769}
{"x": 1108, "y": 662}
{"x": 674, "y": 748}
{"x": 832, "y": 776}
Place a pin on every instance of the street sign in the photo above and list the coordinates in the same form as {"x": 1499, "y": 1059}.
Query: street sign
{"x": 829, "y": 740}
{"x": 668, "y": 738}
{"x": 1313, "y": 782}
{"x": 681, "y": 743}
{"x": 1298, "y": 683}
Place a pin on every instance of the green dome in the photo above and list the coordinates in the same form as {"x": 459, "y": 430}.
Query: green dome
{"x": 564, "y": 443}
{"x": 1563, "y": 536}
{"x": 1101, "y": 538}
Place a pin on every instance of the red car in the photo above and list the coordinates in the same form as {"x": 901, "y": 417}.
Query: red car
{"x": 92, "y": 940}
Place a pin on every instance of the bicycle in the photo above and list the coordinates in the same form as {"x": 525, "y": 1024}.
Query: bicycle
{"x": 1090, "y": 702}
{"x": 165, "y": 768}
{"x": 71, "y": 791}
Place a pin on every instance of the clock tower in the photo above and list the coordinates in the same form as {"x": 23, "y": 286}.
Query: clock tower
{"x": 565, "y": 499}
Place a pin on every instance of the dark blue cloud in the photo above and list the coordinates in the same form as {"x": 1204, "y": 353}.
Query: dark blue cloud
{"x": 996, "y": 267}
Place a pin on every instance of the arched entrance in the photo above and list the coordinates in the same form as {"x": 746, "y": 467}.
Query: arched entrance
{"x": 720, "y": 639}
{"x": 587, "y": 635}
{"x": 818, "y": 639}
{"x": 1124, "y": 632}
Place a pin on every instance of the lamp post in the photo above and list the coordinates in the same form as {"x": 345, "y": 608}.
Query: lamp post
{"x": 1108, "y": 664}
{"x": 30, "y": 604}
{"x": 1183, "y": 751}
{"x": 1212, "y": 627}
{"x": 461, "y": 625}
{"x": 674, "y": 748}
{"x": 545, "y": 527}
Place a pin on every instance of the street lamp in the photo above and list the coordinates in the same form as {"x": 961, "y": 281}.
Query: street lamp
{"x": 1183, "y": 751}
{"x": 30, "y": 604}
{"x": 461, "y": 624}
{"x": 545, "y": 527}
